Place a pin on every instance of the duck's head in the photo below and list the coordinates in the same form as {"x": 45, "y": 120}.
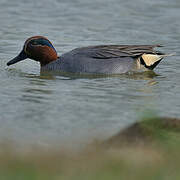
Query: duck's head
{"x": 38, "y": 48}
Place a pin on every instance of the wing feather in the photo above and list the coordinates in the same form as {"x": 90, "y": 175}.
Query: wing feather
{"x": 116, "y": 51}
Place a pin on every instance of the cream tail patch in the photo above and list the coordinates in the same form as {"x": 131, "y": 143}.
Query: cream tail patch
{"x": 150, "y": 59}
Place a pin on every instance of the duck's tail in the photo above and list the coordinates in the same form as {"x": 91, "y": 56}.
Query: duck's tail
{"x": 150, "y": 59}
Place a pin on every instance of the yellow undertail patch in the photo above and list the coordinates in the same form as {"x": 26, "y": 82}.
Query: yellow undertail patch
{"x": 150, "y": 59}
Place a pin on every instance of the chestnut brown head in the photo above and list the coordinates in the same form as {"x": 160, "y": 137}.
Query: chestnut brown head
{"x": 38, "y": 48}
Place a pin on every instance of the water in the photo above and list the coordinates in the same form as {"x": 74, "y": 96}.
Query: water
{"x": 43, "y": 109}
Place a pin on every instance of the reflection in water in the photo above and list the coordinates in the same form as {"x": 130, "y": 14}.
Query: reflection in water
{"x": 41, "y": 76}
{"x": 147, "y": 75}
{"x": 152, "y": 83}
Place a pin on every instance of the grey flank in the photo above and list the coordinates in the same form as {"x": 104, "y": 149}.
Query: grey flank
{"x": 107, "y": 59}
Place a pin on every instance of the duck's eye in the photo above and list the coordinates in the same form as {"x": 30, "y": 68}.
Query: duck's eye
{"x": 34, "y": 42}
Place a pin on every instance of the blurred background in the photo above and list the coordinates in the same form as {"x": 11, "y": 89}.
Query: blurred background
{"x": 39, "y": 109}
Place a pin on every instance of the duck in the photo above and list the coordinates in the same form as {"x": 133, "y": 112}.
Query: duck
{"x": 100, "y": 59}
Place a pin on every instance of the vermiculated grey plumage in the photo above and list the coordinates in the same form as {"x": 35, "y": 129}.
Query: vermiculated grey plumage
{"x": 103, "y": 59}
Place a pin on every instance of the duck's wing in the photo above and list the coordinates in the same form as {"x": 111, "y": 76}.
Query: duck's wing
{"x": 116, "y": 51}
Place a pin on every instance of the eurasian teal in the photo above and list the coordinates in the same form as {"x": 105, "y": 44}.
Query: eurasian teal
{"x": 103, "y": 59}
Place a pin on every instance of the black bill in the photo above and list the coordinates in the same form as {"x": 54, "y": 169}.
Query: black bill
{"x": 18, "y": 58}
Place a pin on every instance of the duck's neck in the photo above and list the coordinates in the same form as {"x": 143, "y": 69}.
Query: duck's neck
{"x": 44, "y": 63}
{"x": 48, "y": 59}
